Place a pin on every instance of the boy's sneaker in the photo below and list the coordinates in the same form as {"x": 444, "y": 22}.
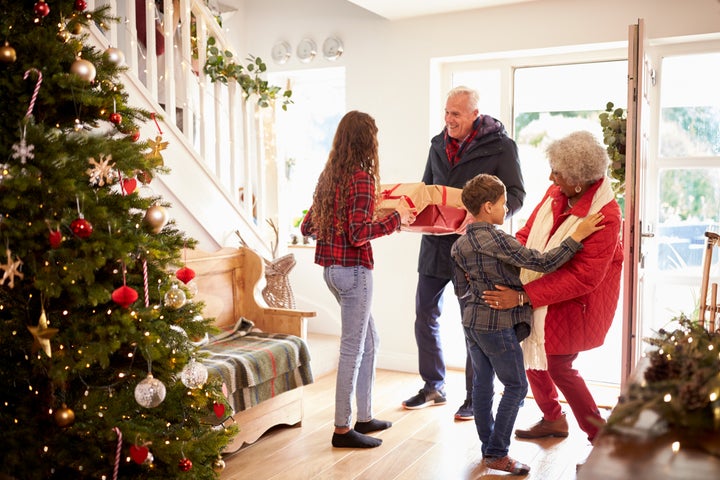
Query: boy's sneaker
{"x": 465, "y": 412}
{"x": 506, "y": 464}
{"x": 424, "y": 399}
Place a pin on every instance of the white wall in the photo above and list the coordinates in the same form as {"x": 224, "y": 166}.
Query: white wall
{"x": 390, "y": 76}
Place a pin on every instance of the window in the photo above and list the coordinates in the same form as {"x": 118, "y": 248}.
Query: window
{"x": 304, "y": 137}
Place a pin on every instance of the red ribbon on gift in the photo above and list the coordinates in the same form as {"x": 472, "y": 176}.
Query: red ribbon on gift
{"x": 387, "y": 195}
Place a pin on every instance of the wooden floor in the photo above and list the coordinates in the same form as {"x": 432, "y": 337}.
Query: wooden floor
{"x": 422, "y": 444}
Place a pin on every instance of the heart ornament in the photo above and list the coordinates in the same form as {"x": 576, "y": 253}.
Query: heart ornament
{"x": 138, "y": 453}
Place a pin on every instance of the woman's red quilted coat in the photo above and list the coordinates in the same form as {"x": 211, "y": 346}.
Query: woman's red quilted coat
{"x": 583, "y": 294}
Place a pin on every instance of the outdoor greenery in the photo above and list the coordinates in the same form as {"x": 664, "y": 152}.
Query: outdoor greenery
{"x": 614, "y": 126}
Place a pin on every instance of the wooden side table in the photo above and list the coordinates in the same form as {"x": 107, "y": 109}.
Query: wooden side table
{"x": 620, "y": 457}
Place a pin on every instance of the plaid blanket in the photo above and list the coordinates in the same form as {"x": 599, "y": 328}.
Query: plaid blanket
{"x": 256, "y": 366}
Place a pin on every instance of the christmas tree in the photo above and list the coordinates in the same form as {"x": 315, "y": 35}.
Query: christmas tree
{"x": 98, "y": 370}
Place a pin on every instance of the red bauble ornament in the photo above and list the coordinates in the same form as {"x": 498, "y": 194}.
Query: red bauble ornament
{"x": 129, "y": 185}
{"x": 115, "y": 118}
{"x": 219, "y": 410}
{"x": 135, "y": 135}
{"x": 144, "y": 176}
{"x": 185, "y": 274}
{"x": 41, "y": 9}
{"x": 81, "y": 227}
{"x": 55, "y": 238}
{"x": 80, "y": 5}
{"x": 185, "y": 464}
{"x": 124, "y": 296}
{"x": 138, "y": 453}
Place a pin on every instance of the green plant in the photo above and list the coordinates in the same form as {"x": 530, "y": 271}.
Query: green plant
{"x": 614, "y": 125}
{"x": 221, "y": 67}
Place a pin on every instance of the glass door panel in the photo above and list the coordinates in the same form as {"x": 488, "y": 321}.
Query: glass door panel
{"x": 549, "y": 103}
{"x": 688, "y": 188}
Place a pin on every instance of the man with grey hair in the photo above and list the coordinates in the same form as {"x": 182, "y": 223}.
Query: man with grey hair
{"x": 469, "y": 144}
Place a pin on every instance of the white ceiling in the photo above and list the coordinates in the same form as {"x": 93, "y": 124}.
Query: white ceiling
{"x": 399, "y": 9}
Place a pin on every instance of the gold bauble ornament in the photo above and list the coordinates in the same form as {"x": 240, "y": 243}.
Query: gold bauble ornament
{"x": 76, "y": 28}
{"x": 83, "y": 69}
{"x": 219, "y": 465}
{"x": 64, "y": 416}
{"x": 155, "y": 218}
{"x": 7, "y": 53}
{"x": 63, "y": 36}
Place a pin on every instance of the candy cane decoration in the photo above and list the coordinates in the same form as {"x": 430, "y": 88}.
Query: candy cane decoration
{"x": 145, "y": 283}
{"x": 37, "y": 89}
{"x": 118, "y": 453}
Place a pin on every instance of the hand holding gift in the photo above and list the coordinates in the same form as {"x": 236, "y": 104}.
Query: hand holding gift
{"x": 407, "y": 213}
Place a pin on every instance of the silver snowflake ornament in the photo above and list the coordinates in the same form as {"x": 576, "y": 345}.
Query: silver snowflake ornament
{"x": 23, "y": 151}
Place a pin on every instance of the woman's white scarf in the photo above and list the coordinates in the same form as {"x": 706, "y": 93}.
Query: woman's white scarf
{"x": 534, "y": 346}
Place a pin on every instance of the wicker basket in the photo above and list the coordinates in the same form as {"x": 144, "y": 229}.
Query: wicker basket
{"x": 277, "y": 292}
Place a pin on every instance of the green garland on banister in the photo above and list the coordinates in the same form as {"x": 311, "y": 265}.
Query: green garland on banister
{"x": 221, "y": 67}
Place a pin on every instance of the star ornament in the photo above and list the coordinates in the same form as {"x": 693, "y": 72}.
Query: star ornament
{"x": 11, "y": 270}
{"x": 42, "y": 335}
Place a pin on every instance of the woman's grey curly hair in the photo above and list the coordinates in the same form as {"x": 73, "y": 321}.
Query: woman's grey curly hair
{"x": 578, "y": 158}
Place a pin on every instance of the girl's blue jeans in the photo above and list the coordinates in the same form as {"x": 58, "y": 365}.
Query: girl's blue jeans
{"x": 352, "y": 288}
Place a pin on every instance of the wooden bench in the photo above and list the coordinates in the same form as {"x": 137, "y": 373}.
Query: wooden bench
{"x": 227, "y": 282}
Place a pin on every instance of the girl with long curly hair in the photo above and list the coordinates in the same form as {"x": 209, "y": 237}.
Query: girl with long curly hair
{"x": 342, "y": 221}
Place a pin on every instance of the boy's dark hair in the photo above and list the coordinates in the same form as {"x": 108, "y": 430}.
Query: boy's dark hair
{"x": 480, "y": 189}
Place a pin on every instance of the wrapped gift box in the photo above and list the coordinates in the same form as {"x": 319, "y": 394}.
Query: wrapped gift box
{"x": 414, "y": 195}
{"x": 440, "y": 208}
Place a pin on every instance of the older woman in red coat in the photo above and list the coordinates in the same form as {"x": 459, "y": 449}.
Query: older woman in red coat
{"x": 574, "y": 306}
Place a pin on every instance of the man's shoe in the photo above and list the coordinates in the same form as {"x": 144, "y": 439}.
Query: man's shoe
{"x": 424, "y": 399}
{"x": 544, "y": 428}
{"x": 465, "y": 412}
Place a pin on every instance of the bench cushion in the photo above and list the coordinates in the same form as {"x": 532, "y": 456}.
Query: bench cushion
{"x": 257, "y": 366}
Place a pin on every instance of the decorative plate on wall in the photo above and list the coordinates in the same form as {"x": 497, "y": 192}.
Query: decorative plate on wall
{"x": 306, "y": 50}
{"x": 332, "y": 48}
{"x": 281, "y": 52}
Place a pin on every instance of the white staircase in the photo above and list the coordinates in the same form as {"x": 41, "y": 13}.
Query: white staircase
{"x": 216, "y": 151}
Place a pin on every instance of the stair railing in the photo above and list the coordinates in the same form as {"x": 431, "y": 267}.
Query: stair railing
{"x": 221, "y": 125}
